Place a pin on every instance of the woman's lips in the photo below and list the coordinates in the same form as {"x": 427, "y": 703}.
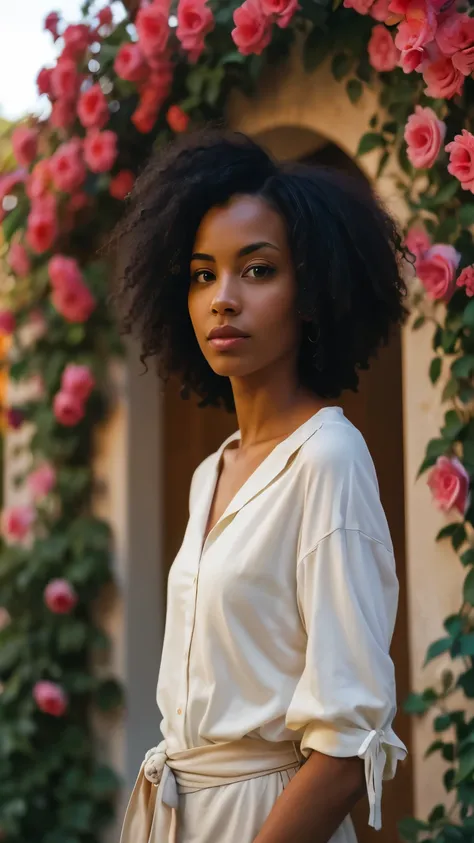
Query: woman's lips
{"x": 226, "y": 343}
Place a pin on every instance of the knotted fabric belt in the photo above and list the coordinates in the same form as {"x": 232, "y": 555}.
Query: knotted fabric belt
{"x": 164, "y": 776}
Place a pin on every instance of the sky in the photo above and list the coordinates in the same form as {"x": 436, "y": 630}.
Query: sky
{"x": 25, "y": 48}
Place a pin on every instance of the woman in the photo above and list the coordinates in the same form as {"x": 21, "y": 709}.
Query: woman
{"x": 266, "y": 288}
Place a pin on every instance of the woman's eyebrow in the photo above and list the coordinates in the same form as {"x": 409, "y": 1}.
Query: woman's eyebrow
{"x": 246, "y": 250}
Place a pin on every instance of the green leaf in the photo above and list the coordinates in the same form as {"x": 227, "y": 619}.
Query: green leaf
{"x": 72, "y": 636}
{"x": 317, "y": 47}
{"x": 435, "y": 369}
{"x": 437, "y": 814}
{"x": 450, "y": 390}
{"x": 409, "y": 829}
{"x": 467, "y": 557}
{"x": 442, "y": 645}
{"x": 354, "y": 90}
{"x": 446, "y": 193}
{"x": 436, "y": 746}
{"x": 420, "y": 703}
{"x": 448, "y": 779}
{"x": 468, "y": 314}
{"x": 466, "y": 682}
{"x": 341, "y": 65}
{"x": 466, "y": 644}
{"x": 466, "y": 214}
{"x": 109, "y": 695}
{"x": 463, "y": 366}
{"x": 370, "y": 141}
{"x": 418, "y": 323}
{"x": 454, "y": 625}
{"x": 441, "y": 723}
{"x": 466, "y": 766}
{"x": 446, "y": 532}
{"x": 459, "y": 536}
{"x": 468, "y": 588}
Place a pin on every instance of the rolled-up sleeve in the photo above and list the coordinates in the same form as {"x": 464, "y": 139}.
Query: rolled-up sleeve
{"x": 345, "y": 701}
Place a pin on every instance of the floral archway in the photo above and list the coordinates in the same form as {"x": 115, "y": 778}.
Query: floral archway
{"x": 120, "y": 86}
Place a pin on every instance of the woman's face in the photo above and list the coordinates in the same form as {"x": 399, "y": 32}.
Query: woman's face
{"x": 243, "y": 290}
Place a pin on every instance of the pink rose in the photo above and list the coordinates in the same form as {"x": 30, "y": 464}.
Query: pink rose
{"x": 39, "y": 181}
{"x": 417, "y": 241}
{"x": 17, "y": 522}
{"x": 50, "y": 698}
{"x": 42, "y": 480}
{"x": 153, "y": 29}
{"x": 461, "y": 159}
{"x": 455, "y": 33}
{"x": 51, "y": 24}
{"x": 92, "y": 108}
{"x": 144, "y": 118}
{"x": 443, "y": 80}
{"x": 65, "y": 80}
{"x": 195, "y": 21}
{"x": 77, "y": 38}
{"x": 68, "y": 409}
{"x": 74, "y": 301}
{"x": 411, "y": 60}
{"x": 418, "y": 28}
{"x": 252, "y": 31}
{"x": 63, "y": 114}
{"x": 437, "y": 269}
{"x": 130, "y": 64}
{"x": 63, "y": 270}
{"x": 464, "y": 61}
{"x": 43, "y": 80}
{"x": 361, "y": 6}
{"x": 121, "y": 184}
{"x": 42, "y": 227}
{"x": 77, "y": 381}
{"x": 67, "y": 167}
{"x": 15, "y": 418}
{"x": 424, "y": 135}
{"x": 19, "y": 260}
{"x": 383, "y": 54}
{"x": 380, "y": 11}
{"x": 401, "y": 7}
{"x": 100, "y": 150}
{"x": 60, "y": 597}
{"x": 448, "y": 481}
{"x": 177, "y": 119}
{"x": 25, "y": 145}
{"x": 7, "y": 322}
{"x": 466, "y": 279}
{"x": 281, "y": 11}
{"x": 105, "y": 16}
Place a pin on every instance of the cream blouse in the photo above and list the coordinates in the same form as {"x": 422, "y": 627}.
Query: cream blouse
{"x": 279, "y": 627}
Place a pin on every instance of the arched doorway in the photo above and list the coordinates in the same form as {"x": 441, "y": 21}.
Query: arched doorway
{"x": 191, "y": 433}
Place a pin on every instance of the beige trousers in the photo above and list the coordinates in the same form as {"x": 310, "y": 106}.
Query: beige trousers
{"x": 217, "y": 794}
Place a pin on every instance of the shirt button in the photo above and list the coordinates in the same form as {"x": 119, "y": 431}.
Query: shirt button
{"x": 179, "y": 711}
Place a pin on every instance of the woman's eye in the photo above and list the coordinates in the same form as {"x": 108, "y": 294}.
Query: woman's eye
{"x": 260, "y": 271}
{"x": 203, "y": 275}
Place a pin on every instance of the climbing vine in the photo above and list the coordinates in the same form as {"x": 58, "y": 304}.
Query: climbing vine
{"x": 126, "y": 80}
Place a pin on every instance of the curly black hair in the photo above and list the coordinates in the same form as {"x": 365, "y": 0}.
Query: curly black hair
{"x": 345, "y": 247}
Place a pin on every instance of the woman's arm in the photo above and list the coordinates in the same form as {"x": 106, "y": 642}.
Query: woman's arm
{"x": 316, "y": 801}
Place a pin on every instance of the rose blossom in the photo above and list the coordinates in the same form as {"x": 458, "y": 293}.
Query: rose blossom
{"x": 411, "y": 60}
{"x": 18, "y": 260}
{"x": 383, "y": 54}
{"x": 43, "y": 80}
{"x": 461, "y": 159}
{"x": 17, "y": 522}
{"x": 60, "y": 597}
{"x": 78, "y": 381}
{"x": 417, "y": 241}
{"x": 15, "y": 418}
{"x": 65, "y": 80}
{"x": 464, "y": 61}
{"x": 419, "y": 26}
{"x": 63, "y": 114}
{"x": 67, "y": 167}
{"x": 424, "y": 135}
{"x": 68, "y": 409}
{"x": 51, "y": 24}
{"x": 177, "y": 119}
{"x": 442, "y": 79}
{"x": 40, "y": 180}
{"x": 74, "y": 301}
{"x": 153, "y": 29}
{"x": 195, "y": 21}
{"x": 62, "y": 270}
{"x": 361, "y": 6}
{"x": 448, "y": 481}
{"x": 7, "y": 322}
{"x": 50, "y": 698}
{"x": 252, "y": 31}
{"x": 92, "y": 108}
{"x": 105, "y": 16}
{"x": 121, "y": 184}
{"x": 77, "y": 38}
{"x": 42, "y": 480}
{"x": 455, "y": 33}
{"x": 379, "y": 10}
{"x": 42, "y": 227}
{"x": 144, "y": 118}
{"x": 25, "y": 145}
{"x": 436, "y": 270}
{"x": 100, "y": 150}
{"x": 130, "y": 64}
{"x": 282, "y": 11}
{"x": 466, "y": 279}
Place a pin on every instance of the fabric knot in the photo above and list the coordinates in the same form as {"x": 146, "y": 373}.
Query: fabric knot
{"x": 373, "y": 752}
{"x": 154, "y": 765}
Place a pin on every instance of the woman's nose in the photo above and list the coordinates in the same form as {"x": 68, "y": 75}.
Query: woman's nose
{"x": 226, "y": 298}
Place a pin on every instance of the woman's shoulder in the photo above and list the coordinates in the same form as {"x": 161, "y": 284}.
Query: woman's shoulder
{"x": 337, "y": 447}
